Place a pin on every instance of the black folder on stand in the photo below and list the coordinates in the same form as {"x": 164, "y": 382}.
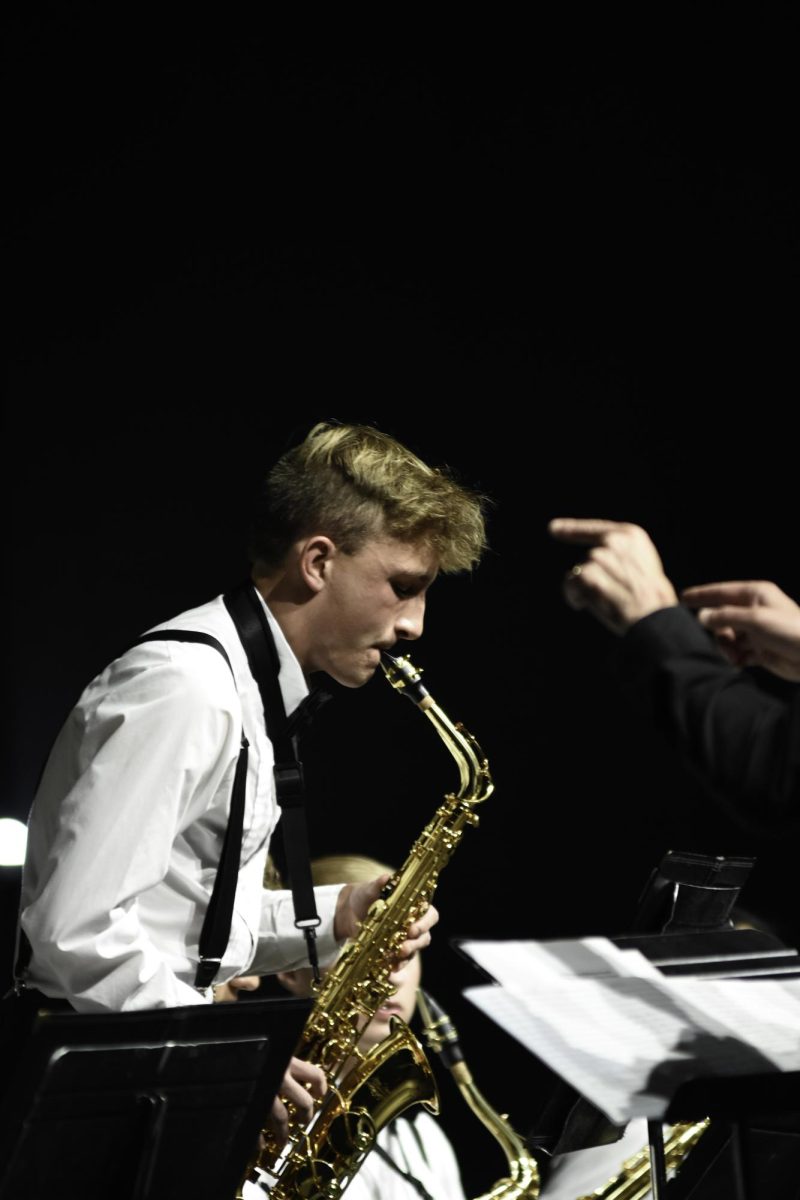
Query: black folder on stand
{"x": 150, "y": 1105}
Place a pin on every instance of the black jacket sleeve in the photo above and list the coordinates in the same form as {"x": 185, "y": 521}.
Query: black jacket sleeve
{"x": 742, "y": 740}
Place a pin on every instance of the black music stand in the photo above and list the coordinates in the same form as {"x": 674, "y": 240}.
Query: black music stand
{"x": 143, "y": 1106}
{"x": 691, "y": 892}
{"x": 751, "y": 1150}
{"x": 686, "y": 894}
{"x": 758, "y": 1097}
{"x": 755, "y": 1117}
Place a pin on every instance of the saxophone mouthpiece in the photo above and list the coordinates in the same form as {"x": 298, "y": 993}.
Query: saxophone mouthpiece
{"x": 404, "y": 676}
{"x": 441, "y": 1034}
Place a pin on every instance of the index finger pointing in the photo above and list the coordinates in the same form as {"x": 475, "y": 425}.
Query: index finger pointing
{"x": 582, "y": 531}
{"x": 743, "y": 592}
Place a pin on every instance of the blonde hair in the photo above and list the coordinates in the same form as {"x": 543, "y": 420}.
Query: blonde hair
{"x": 347, "y": 868}
{"x": 333, "y": 868}
{"x": 353, "y": 482}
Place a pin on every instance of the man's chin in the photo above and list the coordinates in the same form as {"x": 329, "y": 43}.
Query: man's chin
{"x": 354, "y": 677}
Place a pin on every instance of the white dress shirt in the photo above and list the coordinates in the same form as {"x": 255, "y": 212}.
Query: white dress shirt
{"x": 419, "y": 1148}
{"x": 127, "y": 826}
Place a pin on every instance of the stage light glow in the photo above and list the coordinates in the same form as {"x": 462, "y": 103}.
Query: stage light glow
{"x": 13, "y": 839}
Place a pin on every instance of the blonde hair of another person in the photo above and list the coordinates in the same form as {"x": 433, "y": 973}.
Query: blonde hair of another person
{"x": 347, "y": 868}
{"x": 357, "y": 868}
{"x": 332, "y": 868}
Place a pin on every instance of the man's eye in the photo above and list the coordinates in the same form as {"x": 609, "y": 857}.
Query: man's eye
{"x": 402, "y": 591}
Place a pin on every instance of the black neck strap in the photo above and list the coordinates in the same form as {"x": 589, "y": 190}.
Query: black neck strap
{"x": 247, "y": 613}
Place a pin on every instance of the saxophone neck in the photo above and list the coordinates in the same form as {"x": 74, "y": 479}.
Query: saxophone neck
{"x": 476, "y": 781}
{"x": 441, "y": 1036}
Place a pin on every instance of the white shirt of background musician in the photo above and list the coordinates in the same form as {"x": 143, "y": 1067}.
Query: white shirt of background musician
{"x": 420, "y": 1148}
{"x": 426, "y": 1155}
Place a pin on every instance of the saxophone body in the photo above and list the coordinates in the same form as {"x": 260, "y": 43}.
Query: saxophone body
{"x": 366, "y": 1091}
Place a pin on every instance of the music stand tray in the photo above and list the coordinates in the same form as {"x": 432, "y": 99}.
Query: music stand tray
{"x": 150, "y": 1105}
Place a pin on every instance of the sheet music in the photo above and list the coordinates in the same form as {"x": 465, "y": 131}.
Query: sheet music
{"x": 626, "y": 1041}
{"x": 522, "y": 964}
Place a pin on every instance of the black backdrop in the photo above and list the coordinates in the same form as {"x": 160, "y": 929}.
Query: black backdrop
{"x": 574, "y": 283}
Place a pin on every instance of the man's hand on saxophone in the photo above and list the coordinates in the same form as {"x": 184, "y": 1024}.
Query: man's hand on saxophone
{"x": 355, "y": 901}
{"x": 407, "y": 1157}
{"x": 302, "y": 1084}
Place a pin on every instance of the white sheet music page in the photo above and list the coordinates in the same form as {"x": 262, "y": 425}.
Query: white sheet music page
{"x": 516, "y": 964}
{"x": 626, "y": 1036}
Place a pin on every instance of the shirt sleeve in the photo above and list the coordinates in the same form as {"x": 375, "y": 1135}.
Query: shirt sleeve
{"x": 282, "y": 947}
{"x": 140, "y": 757}
{"x": 740, "y": 738}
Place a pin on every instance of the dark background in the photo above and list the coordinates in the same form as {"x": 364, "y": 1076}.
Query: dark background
{"x": 572, "y": 280}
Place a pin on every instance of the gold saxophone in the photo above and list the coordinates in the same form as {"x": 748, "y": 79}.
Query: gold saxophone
{"x": 633, "y": 1181}
{"x": 522, "y": 1181}
{"x": 366, "y": 1091}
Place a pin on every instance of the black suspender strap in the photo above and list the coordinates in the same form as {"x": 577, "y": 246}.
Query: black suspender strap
{"x": 256, "y": 636}
{"x": 247, "y": 614}
{"x": 216, "y": 929}
{"x": 186, "y": 635}
{"x": 22, "y": 961}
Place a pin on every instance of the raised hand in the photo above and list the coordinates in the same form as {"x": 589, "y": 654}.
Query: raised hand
{"x": 621, "y": 579}
{"x": 755, "y": 623}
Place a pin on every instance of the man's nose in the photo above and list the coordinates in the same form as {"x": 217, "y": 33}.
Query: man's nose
{"x": 409, "y": 624}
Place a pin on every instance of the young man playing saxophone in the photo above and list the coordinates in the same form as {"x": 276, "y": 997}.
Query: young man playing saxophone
{"x": 128, "y": 821}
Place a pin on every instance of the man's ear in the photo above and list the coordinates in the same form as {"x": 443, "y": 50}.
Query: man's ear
{"x": 316, "y": 555}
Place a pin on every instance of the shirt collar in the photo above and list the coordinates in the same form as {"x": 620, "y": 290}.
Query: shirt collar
{"x": 294, "y": 686}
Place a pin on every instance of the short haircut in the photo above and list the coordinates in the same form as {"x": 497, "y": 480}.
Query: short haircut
{"x": 352, "y": 483}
